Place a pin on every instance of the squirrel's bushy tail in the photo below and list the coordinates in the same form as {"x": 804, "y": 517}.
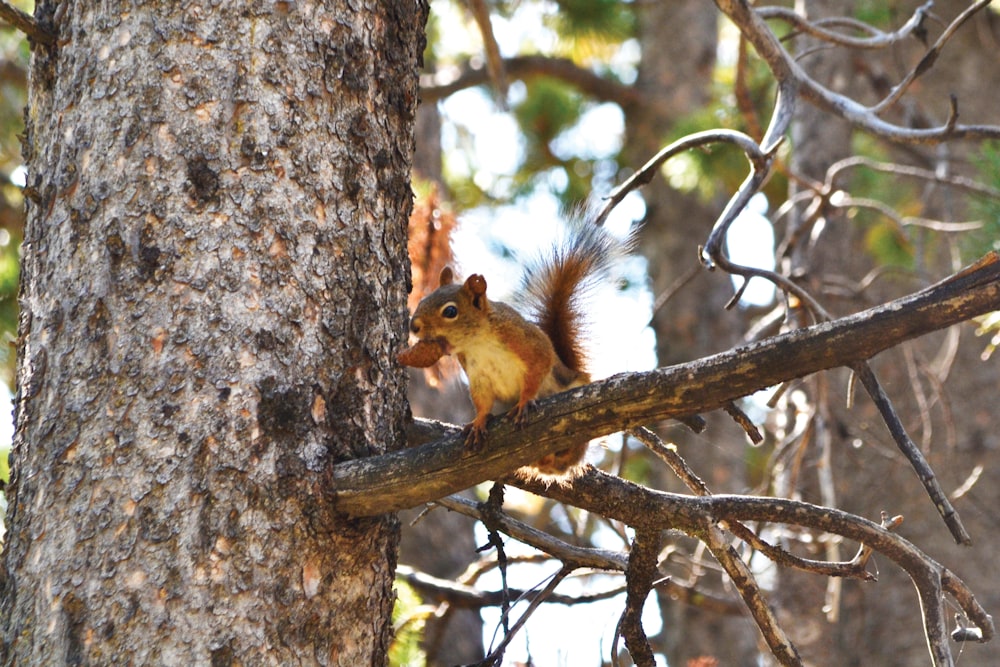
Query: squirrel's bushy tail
{"x": 556, "y": 287}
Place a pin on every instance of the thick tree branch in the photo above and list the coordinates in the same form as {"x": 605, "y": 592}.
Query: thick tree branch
{"x": 401, "y": 479}
{"x": 25, "y": 23}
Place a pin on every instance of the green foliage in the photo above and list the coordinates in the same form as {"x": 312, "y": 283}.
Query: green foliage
{"x": 987, "y": 238}
{"x": 886, "y": 241}
{"x": 603, "y": 20}
{"x": 877, "y": 13}
{"x": 409, "y": 625}
{"x": 14, "y": 57}
{"x": 549, "y": 109}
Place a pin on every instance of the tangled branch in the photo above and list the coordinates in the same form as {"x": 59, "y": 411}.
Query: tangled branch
{"x": 792, "y": 77}
{"x": 647, "y": 509}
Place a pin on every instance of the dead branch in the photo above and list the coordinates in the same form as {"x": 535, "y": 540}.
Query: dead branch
{"x": 469, "y": 597}
{"x": 854, "y": 568}
{"x": 929, "y": 58}
{"x": 838, "y": 168}
{"x": 639, "y": 576}
{"x": 645, "y": 508}
{"x": 876, "y": 39}
{"x": 494, "y": 62}
{"x": 597, "y": 559}
{"x": 577, "y": 557}
{"x": 780, "y": 645}
{"x": 407, "y": 478}
{"x": 534, "y": 601}
{"x": 912, "y": 454}
{"x": 789, "y": 74}
{"x": 437, "y": 86}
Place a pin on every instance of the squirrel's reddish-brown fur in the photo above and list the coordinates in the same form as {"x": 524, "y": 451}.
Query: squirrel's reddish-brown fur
{"x": 509, "y": 360}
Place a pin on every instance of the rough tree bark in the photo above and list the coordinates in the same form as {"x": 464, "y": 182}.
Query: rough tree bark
{"x": 213, "y": 283}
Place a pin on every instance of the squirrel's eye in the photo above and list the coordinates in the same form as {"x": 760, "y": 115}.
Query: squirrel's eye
{"x": 450, "y": 311}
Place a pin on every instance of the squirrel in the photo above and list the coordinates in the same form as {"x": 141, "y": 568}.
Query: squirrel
{"x": 510, "y": 360}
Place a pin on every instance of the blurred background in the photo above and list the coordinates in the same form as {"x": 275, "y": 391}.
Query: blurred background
{"x": 530, "y": 109}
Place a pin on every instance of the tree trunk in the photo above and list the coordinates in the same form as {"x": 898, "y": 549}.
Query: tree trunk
{"x": 213, "y": 284}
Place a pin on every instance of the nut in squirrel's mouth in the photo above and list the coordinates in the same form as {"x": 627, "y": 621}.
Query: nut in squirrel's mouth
{"x": 424, "y": 353}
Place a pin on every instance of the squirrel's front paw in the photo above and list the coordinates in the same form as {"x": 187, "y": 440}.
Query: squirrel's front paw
{"x": 475, "y": 435}
{"x": 519, "y": 413}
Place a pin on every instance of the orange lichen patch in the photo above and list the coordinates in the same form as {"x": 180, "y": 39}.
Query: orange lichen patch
{"x": 203, "y": 112}
{"x": 158, "y": 340}
{"x": 311, "y": 578}
{"x": 422, "y": 354}
{"x": 278, "y": 249}
{"x": 318, "y": 410}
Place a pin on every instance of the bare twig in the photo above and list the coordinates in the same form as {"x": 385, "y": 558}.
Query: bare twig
{"x": 645, "y": 174}
{"x": 877, "y": 39}
{"x": 838, "y": 168}
{"x": 788, "y": 72}
{"x": 739, "y": 573}
{"x": 930, "y": 57}
{"x": 540, "y": 597}
{"x": 469, "y": 597}
{"x": 851, "y": 569}
{"x": 440, "y": 85}
{"x": 578, "y": 557}
{"x": 912, "y": 454}
{"x": 744, "y": 421}
{"x": 588, "y": 558}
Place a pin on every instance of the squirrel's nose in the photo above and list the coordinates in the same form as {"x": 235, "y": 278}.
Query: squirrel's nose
{"x": 415, "y": 325}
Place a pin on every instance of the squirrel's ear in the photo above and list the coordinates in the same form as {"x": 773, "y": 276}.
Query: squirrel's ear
{"x": 447, "y": 276}
{"x": 476, "y": 286}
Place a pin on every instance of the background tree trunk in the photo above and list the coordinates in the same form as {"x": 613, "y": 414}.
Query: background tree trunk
{"x": 213, "y": 285}
{"x": 675, "y": 78}
{"x": 942, "y": 399}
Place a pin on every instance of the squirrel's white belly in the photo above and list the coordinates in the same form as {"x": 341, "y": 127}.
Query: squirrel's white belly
{"x": 495, "y": 369}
